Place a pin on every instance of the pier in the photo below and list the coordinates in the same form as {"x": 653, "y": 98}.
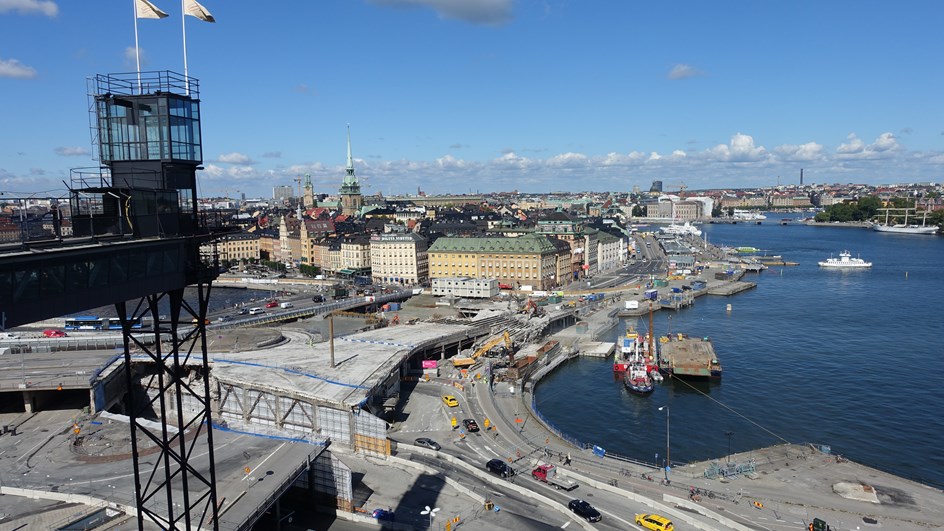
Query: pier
{"x": 596, "y": 349}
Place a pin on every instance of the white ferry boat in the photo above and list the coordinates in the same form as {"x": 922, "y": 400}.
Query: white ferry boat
{"x": 681, "y": 230}
{"x": 845, "y": 261}
{"x": 747, "y": 215}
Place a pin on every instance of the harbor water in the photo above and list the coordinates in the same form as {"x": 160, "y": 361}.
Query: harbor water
{"x": 846, "y": 358}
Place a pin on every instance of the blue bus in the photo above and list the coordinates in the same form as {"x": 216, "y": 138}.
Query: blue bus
{"x": 91, "y": 322}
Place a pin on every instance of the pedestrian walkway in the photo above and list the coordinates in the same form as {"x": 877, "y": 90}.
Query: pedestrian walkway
{"x": 787, "y": 476}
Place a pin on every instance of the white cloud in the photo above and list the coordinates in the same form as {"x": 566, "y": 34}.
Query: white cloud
{"x": 448, "y": 162}
{"x": 883, "y": 147}
{"x": 272, "y": 155}
{"x": 885, "y": 142}
{"x": 491, "y": 12}
{"x": 68, "y": 151}
{"x": 682, "y": 71}
{"x": 234, "y": 158}
{"x": 15, "y": 69}
{"x": 29, "y": 7}
{"x": 568, "y": 160}
{"x": 853, "y": 146}
{"x": 800, "y": 153}
{"x": 740, "y": 149}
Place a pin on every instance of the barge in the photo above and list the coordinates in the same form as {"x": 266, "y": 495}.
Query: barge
{"x": 683, "y": 357}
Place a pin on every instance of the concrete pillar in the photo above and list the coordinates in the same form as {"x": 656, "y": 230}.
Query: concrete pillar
{"x": 29, "y": 402}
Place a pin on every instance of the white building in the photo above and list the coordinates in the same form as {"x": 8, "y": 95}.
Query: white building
{"x": 479, "y": 288}
{"x": 399, "y": 258}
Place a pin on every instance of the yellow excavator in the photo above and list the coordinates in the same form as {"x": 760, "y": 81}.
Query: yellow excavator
{"x": 488, "y": 345}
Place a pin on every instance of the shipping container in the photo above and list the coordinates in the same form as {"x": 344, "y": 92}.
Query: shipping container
{"x": 394, "y": 306}
{"x": 652, "y": 294}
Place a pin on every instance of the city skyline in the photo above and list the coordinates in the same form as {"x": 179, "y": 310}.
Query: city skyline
{"x": 498, "y": 95}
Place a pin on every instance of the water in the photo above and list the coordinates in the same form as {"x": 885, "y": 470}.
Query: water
{"x": 850, "y": 359}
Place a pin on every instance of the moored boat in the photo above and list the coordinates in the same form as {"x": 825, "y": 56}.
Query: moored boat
{"x": 905, "y": 228}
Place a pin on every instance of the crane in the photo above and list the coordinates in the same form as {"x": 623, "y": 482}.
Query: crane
{"x": 488, "y": 345}
{"x": 298, "y": 179}
{"x": 681, "y": 186}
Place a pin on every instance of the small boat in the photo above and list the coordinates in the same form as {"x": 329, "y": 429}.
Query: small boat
{"x": 747, "y": 250}
{"x": 845, "y": 261}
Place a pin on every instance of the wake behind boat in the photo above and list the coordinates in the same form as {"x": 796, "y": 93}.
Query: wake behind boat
{"x": 845, "y": 261}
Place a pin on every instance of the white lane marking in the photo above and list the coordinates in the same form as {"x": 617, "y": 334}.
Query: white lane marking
{"x": 253, "y": 469}
{"x": 617, "y": 518}
{"x": 567, "y": 523}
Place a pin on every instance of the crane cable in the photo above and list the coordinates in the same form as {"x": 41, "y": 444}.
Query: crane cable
{"x": 732, "y": 410}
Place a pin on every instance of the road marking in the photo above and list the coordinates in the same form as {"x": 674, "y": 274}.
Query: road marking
{"x": 253, "y": 469}
{"x": 567, "y": 523}
{"x": 617, "y": 518}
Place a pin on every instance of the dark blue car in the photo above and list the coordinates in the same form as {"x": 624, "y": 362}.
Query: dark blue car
{"x": 383, "y": 514}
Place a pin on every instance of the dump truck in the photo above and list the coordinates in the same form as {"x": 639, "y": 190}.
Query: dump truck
{"x": 548, "y": 474}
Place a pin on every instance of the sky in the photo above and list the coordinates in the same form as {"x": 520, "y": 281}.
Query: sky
{"x": 478, "y": 96}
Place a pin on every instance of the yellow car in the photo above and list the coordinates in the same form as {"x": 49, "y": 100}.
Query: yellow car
{"x": 450, "y": 401}
{"x": 654, "y": 521}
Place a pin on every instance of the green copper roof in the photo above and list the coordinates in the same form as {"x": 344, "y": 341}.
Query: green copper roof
{"x": 530, "y": 244}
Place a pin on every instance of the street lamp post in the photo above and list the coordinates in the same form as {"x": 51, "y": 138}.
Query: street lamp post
{"x": 431, "y": 513}
{"x": 668, "y": 460}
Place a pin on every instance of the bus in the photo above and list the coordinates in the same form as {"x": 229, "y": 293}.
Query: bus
{"x": 91, "y": 322}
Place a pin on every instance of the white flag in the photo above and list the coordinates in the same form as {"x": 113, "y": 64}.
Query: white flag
{"x": 146, "y": 9}
{"x": 194, "y": 9}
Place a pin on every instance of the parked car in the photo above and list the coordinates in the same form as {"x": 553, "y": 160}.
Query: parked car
{"x": 450, "y": 401}
{"x": 499, "y": 467}
{"x": 584, "y": 510}
{"x": 318, "y": 298}
{"x": 9, "y": 335}
{"x": 470, "y": 425}
{"x": 52, "y": 332}
{"x": 654, "y": 521}
{"x": 426, "y": 442}
{"x": 384, "y": 514}
{"x": 256, "y": 311}
{"x": 272, "y": 304}
{"x": 243, "y": 311}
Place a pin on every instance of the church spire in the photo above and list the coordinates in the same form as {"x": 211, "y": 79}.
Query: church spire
{"x": 351, "y": 200}
{"x": 350, "y": 158}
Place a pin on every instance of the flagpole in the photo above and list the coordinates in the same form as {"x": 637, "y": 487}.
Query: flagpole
{"x": 137, "y": 54}
{"x": 183, "y": 25}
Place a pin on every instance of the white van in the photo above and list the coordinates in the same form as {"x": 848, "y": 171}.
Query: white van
{"x": 256, "y": 311}
{"x": 286, "y": 305}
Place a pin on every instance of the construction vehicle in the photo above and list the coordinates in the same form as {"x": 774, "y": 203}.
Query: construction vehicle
{"x": 532, "y": 309}
{"x": 488, "y": 345}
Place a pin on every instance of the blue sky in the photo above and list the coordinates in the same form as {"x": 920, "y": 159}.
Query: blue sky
{"x": 496, "y": 95}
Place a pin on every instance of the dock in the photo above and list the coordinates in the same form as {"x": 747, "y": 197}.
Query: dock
{"x": 596, "y": 349}
{"x": 686, "y": 357}
{"x": 729, "y": 288}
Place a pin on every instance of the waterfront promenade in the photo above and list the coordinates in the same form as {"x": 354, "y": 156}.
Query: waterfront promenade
{"x": 788, "y": 487}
